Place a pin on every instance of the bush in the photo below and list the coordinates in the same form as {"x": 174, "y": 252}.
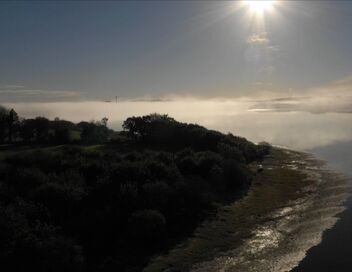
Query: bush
{"x": 146, "y": 225}
{"x": 34, "y": 246}
{"x": 156, "y": 194}
{"x": 27, "y": 179}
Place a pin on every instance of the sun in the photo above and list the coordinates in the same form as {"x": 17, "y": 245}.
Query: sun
{"x": 259, "y": 7}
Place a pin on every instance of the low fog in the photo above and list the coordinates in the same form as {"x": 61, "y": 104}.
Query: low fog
{"x": 299, "y": 123}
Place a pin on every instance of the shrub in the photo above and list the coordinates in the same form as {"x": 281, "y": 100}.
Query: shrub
{"x": 146, "y": 225}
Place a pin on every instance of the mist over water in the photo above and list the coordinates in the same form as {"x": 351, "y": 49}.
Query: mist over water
{"x": 300, "y": 130}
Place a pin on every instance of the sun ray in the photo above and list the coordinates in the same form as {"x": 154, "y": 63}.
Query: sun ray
{"x": 259, "y": 7}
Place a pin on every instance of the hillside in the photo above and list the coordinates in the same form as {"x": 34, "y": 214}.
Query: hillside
{"x": 114, "y": 203}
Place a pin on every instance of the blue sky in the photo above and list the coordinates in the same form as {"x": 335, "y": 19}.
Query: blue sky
{"x": 53, "y": 51}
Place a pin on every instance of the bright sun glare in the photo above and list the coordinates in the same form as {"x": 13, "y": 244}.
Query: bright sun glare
{"x": 259, "y": 6}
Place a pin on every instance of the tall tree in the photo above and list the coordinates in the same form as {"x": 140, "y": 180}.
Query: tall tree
{"x": 41, "y": 125}
{"x": 12, "y": 120}
{"x": 3, "y": 116}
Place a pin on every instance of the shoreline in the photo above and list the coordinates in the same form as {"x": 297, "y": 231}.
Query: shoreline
{"x": 288, "y": 207}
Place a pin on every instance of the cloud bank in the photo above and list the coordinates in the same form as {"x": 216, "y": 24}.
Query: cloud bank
{"x": 335, "y": 97}
{"x": 19, "y": 93}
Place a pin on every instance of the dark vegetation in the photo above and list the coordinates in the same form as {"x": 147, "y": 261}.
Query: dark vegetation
{"x": 43, "y": 131}
{"x": 69, "y": 205}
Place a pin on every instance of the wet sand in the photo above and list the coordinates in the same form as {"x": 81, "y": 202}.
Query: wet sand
{"x": 284, "y": 214}
{"x": 334, "y": 252}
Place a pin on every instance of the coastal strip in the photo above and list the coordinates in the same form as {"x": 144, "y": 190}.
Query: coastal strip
{"x": 289, "y": 205}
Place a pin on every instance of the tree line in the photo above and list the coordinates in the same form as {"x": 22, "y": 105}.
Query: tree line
{"x": 14, "y": 129}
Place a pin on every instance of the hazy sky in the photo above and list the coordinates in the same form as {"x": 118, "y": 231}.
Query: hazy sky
{"x": 54, "y": 51}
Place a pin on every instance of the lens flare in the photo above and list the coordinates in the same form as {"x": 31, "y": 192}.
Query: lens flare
{"x": 259, "y": 7}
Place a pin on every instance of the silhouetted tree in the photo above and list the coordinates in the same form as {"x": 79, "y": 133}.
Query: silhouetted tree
{"x": 12, "y": 120}
{"x": 62, "y": 131}
{"x": 3, "y": 117}
{"x": 104, "y": 121}
{"x": 41, "y": 126}
{"x": 92, "y": 132}
{"x": 149, "y": 128}
{"x": 27, "y": 130}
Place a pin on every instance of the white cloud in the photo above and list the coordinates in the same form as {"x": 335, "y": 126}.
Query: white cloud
{"x": 18, "y": 94}
{"x": 12, "y": 86}
{"x": 274, "y": 48}
{"x": 258, "y": 39}
{"x": 268, "y": 69}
